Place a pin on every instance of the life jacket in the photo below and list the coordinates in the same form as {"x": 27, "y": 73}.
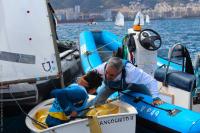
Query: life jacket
{"x": 121, "y": 84}
{"x": 117, "y": 85}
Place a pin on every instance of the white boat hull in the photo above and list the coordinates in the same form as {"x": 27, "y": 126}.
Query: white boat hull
{"x": 109, "y": 124}
{"x": 124, "y": 121}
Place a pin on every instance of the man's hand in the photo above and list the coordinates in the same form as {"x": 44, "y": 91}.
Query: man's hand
{"x": 157, "y": 101}
{"x": 73, "y": 114}
{"x": 82, "y": 81}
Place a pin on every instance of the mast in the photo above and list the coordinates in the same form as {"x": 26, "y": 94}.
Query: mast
{"x": 54, "y": 36}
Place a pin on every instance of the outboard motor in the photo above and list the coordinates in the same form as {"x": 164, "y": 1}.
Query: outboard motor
{"x": 146, "y": 44}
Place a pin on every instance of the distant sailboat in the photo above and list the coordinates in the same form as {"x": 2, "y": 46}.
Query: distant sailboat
{"x": 108, "y": 15}
{"x": 147, "y": 20}
{"x": 119, "y": 20}
{"x": 139, "y": 19}
{"x": 108, "y": 19}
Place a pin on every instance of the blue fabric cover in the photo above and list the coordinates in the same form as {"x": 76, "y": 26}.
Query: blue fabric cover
{"x": 64, "y": 103}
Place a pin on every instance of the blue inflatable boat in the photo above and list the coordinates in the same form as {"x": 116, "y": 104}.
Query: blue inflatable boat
{"x": 90, "y": 42}
{"x": 105, "y": 41}
{"x": 163, "y": 118}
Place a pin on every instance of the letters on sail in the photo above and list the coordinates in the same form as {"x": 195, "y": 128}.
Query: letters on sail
{"x": 27, "y": 46}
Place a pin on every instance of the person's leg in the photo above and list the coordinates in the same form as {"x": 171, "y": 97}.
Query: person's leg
{"x": 139, "y": 88}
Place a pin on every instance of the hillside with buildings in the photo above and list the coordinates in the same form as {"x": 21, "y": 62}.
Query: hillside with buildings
{"x": 89, "y": 5}
{"x": 88, "y": 10}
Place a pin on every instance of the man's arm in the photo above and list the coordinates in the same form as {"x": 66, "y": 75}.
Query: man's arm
{"x": 138, "y": 76}
{"x": 102, "y": 96}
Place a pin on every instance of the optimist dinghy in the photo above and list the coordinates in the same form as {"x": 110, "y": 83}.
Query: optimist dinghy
{"x": 113, "y": 117}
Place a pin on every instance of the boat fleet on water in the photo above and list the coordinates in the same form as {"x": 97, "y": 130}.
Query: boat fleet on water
{"x": 34, "y": 62}
{"x": 119, "y": 19}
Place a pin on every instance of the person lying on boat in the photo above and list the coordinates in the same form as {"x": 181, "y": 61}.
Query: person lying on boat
{"x": 72, "y": 99}
{"x": 119, "y": 74}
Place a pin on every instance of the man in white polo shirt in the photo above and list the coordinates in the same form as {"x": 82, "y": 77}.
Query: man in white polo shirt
{"x": 119, "y": 75}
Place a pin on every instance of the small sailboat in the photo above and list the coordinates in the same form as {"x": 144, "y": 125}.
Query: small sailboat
{"x": 31, "y": 58}
{"x": 109, "y": 19}
{"x": 119, "y": 20}
{"x": 110, "y": 118}
{"x": 139, "y": 19}
{"x": 147, "y": 19}
{"x": 108, "y": 15}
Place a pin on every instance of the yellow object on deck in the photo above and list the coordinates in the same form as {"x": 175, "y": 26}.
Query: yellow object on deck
{"x": 58, "y": 115}
{"x": 41, "y": 116}
{"x": 94, "y": 126}
{"x": 105, "y": 109}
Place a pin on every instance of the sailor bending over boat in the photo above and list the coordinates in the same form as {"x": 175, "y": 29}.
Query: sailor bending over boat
{"x": 72, "y": 99}
{"x": 119, "y": 75}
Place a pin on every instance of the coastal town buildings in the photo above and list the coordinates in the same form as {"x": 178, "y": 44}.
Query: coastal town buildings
{"x": 161, "y": 10}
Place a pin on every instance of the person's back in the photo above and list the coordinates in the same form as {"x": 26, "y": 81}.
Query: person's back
{"x": 67, "y": 100}
{"x": 71, "y": 100}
